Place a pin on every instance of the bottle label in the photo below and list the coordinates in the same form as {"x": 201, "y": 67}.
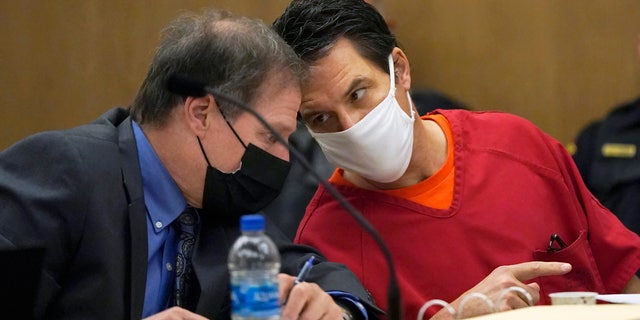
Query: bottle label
{"x": 255, "y": 300}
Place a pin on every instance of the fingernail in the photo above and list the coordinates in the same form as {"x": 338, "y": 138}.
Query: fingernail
{"x": 565, "y": 267}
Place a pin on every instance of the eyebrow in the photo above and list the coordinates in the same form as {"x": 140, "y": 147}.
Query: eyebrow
{"x": 354, "y": 84}
{"x": 280, "y": 127}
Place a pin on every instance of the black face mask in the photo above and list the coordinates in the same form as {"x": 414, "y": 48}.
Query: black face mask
{"x": 256, "y": 184}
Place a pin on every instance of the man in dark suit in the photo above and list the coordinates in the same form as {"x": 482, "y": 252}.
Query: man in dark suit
{"x": 103, "y": 199}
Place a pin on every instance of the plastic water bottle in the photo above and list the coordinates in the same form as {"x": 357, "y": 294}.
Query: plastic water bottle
{"x": 254, "y": 264}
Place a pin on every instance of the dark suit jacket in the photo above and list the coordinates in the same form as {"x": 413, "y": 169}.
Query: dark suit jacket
{"x": 79, "y": 194}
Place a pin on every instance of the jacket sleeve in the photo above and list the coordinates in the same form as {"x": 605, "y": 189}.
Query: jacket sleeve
{"x": 40, "y": 205}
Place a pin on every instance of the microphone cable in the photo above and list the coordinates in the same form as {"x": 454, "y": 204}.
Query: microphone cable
{"x": 186, "y": 86}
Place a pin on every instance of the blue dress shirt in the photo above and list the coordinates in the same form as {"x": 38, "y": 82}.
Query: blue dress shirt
{"x": 164, "y": 202}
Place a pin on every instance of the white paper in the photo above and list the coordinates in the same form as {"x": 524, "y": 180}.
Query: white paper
{"x": 570, "y": 312}
{"x": 620, "y": 298}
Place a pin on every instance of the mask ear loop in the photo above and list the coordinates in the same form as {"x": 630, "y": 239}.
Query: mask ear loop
{"x": 413, "y": 112}
{"x": 232, "y": 130}
{"x": 230, "y": 126}
{"x": 203, "y": 153}
{"x": 392, "y": 84}
{"x": 392, "y": 76}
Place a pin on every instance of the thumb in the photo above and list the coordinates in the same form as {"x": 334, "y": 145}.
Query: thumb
{"x": 534, "y": 286}
{"x": 285, "y": 283}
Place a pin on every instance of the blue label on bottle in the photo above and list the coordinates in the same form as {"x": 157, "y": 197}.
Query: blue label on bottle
{"x": 252, "y": 300}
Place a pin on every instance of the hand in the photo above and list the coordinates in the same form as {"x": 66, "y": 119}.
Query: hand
{"x": 306, "y": 300}
{"x": 175, "y": 313}
{"x": 504, "y": 277}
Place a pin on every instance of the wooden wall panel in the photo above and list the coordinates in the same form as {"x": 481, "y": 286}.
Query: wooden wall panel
{"x": 63, "y": 63}
{"x": 557, "y": 63}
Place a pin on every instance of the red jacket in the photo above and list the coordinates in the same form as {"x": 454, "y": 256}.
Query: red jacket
{"x": 514, "y": 187}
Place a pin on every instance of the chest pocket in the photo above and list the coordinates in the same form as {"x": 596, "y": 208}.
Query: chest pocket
{"x": 583, "y": 277}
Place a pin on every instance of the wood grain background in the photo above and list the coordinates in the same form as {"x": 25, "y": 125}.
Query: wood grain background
{"x": 557, "y": 63}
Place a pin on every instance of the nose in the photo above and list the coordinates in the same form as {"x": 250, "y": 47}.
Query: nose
{"x": 347, "y": 120}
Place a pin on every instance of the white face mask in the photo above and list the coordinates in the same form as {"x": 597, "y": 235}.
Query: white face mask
{"x": 379, "y": 146}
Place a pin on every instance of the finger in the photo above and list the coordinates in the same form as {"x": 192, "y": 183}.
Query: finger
{"x": 518, "y": 297}
{"x": 534, "y": 290}
{"x": 529, "y": 270}
{"x": 176, "y": 313}
{"x": 193, "y": 316}
{"x": 298, "y": 297}
{"x": 285, "y": 283}
{"x": 184, "y": 314}
{"x": 513, "y": 300}
{"x": 321, "y": 306}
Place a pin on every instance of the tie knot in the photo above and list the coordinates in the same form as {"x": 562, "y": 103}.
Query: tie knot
{"x": 188, "y": 220}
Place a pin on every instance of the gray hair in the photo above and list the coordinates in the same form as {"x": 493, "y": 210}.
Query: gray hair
{"x": 231, "y": 53}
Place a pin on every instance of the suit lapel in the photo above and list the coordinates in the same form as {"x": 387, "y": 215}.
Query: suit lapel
{"x": 138, "y": 256}
{"x": 132, "y": 184}
{"x": 210, "y": 265}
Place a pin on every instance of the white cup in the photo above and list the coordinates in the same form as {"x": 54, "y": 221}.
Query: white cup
{"x": 573, "y": 297}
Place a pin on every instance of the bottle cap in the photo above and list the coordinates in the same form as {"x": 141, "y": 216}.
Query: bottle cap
{"x": 252, "y": 222}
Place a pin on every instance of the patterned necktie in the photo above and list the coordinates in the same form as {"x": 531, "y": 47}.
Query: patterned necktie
{"x": 186, "y": 227}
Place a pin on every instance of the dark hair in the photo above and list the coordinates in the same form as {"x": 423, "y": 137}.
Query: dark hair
{"x": 231, "y": 53}
{"x": 312, "y": 27}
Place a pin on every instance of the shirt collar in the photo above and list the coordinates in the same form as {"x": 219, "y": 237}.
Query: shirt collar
{"x": 162, "y": 197}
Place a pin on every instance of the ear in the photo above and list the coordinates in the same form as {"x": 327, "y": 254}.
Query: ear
{"x": 200, "y": 114}
{"x": 401, "y": 68}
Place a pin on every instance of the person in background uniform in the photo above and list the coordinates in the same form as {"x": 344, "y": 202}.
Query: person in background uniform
{"x": 109, "y": 200}
{"x": 466, "y": 201}
{"x": 607, "y": 154}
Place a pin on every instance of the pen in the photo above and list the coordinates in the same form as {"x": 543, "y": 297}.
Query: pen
{"x": 555, "y": 239}
{"x": 302, "y": 275}
{"x": 304, "y": 271}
